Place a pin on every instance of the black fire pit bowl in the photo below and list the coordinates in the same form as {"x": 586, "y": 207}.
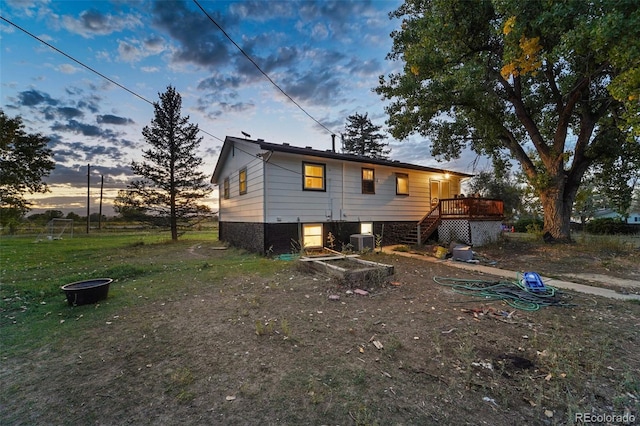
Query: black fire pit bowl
{"x": 86, "y": 292}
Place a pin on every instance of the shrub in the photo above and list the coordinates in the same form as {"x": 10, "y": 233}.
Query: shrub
{"x": 530, "y": 224}
{"x": 607, "y": 225}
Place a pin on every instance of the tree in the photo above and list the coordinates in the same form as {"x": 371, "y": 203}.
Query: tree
{"x": 24, "y": 161}
{"x": 361, "y": 137}
{"x": 542, "y": 83}
{"x": 617, "y": 173}
{"x": 171, "y": 184}
{"x": 491, "y": 185}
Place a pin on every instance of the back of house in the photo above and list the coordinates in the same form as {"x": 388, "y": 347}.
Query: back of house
{"x": 277, "y": 198}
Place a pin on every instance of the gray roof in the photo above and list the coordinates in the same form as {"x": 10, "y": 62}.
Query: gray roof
{"x": 308, "y": 151}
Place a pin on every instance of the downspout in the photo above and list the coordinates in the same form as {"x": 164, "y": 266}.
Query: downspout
{"x": 265, "y": 160}
{"x": 342, "y": 213}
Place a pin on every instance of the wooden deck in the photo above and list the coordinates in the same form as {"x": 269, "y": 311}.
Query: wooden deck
{"x": 472, "y": 209}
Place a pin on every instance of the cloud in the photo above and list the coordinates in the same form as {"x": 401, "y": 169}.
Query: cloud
{"x": 114, "y": 119}
{"x": 200, "y": 41}
{"x": 92, "y": 22}
{"x": 258, "y": 11}
{"x": 69, "y": 112}
{"x": 218, "y": 83}
{"x": 84, "y": 129}
{"x": 35, "y": 97}
{"x": 132, "y": 50}
{"x": 76, "y": 175}
{"x": 314, "y": 87}
{"x": 319, "y": 31}
{"x": 68, "y": 69}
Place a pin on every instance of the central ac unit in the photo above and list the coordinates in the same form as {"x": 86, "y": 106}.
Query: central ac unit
{"x": 361, "y": 242}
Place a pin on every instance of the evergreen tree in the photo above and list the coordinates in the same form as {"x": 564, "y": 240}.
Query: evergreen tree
{"x": 361, "y": 137}
{"x": 171, "y": 184}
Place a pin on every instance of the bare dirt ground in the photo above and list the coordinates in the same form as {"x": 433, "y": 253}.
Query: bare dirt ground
{"x": 252, "y": 350}
{"x": 581, "y": 263}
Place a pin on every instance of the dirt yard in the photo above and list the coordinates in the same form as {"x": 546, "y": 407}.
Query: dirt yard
{"x": 300, "y": 348}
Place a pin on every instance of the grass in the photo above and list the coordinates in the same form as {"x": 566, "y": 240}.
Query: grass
{"x": 141, "y": 265}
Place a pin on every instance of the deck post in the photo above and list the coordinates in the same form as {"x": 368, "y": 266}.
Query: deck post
{"x": 419, "y": 243}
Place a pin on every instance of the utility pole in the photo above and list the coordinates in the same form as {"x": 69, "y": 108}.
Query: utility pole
{"x": 100, "y": 217}
{"x": 88, "y": 193}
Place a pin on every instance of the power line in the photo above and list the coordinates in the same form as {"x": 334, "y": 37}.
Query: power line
{"x": 91, "y": 69}
{"x": 260, "y": 69}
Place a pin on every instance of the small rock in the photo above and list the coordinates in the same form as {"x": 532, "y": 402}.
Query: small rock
{"x": 334, "y": 297}
{"x": 361, "y": 292}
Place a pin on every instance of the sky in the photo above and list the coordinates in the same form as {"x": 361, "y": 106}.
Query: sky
{"x": 326, "y": 56}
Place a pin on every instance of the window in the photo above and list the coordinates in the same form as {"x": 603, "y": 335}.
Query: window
{"x": 313, "y": 176}
{"x": 368, "y": 181}
{"x": 312, "y": 235}
{"x": 366, "y": 228}
{"x": 402, "y": 184}
{"x": 242, "y": 181}
{"x": 225, "y": 188}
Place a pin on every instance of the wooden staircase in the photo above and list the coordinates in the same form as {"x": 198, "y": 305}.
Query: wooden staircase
{"x": 424, "y": 228}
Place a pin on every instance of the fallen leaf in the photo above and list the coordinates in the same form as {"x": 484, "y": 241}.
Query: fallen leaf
{"x": 548, "y": 413}
{"x": 361, "y": 349}
{"x": 377, "y": 344}
{"x": 548, "y": 377}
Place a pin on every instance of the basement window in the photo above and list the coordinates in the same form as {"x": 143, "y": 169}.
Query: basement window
{"x": 366, "y": 228}
{"x": 312, "y": 235}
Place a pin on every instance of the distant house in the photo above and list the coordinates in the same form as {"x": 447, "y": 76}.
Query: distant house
{"x": 633, "y": 219}
{"x": 277, "y": 198}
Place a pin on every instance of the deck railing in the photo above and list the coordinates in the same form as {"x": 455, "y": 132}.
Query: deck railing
{"x": 452, "y": 208}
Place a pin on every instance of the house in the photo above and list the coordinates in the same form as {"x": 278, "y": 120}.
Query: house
{"x": 633, "y": 218}
{"x": 276, "y": 198}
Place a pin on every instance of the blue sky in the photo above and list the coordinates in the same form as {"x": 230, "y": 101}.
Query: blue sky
{"x": 326, "y": 55}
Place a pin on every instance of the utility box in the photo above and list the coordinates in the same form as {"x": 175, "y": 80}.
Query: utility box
{"x": 463, "y": 253}
{"x": 361, "y": 242}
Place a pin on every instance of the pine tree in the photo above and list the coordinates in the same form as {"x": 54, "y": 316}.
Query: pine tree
{"x": 171, "y": 184}
{"x": 361, "y": 137}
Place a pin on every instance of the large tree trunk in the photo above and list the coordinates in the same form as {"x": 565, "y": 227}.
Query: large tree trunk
{"x": 557, "y": 204}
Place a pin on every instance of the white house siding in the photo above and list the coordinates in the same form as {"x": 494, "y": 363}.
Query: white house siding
{"x": 286, "y": 201}
{"x": 246, "y": 207}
